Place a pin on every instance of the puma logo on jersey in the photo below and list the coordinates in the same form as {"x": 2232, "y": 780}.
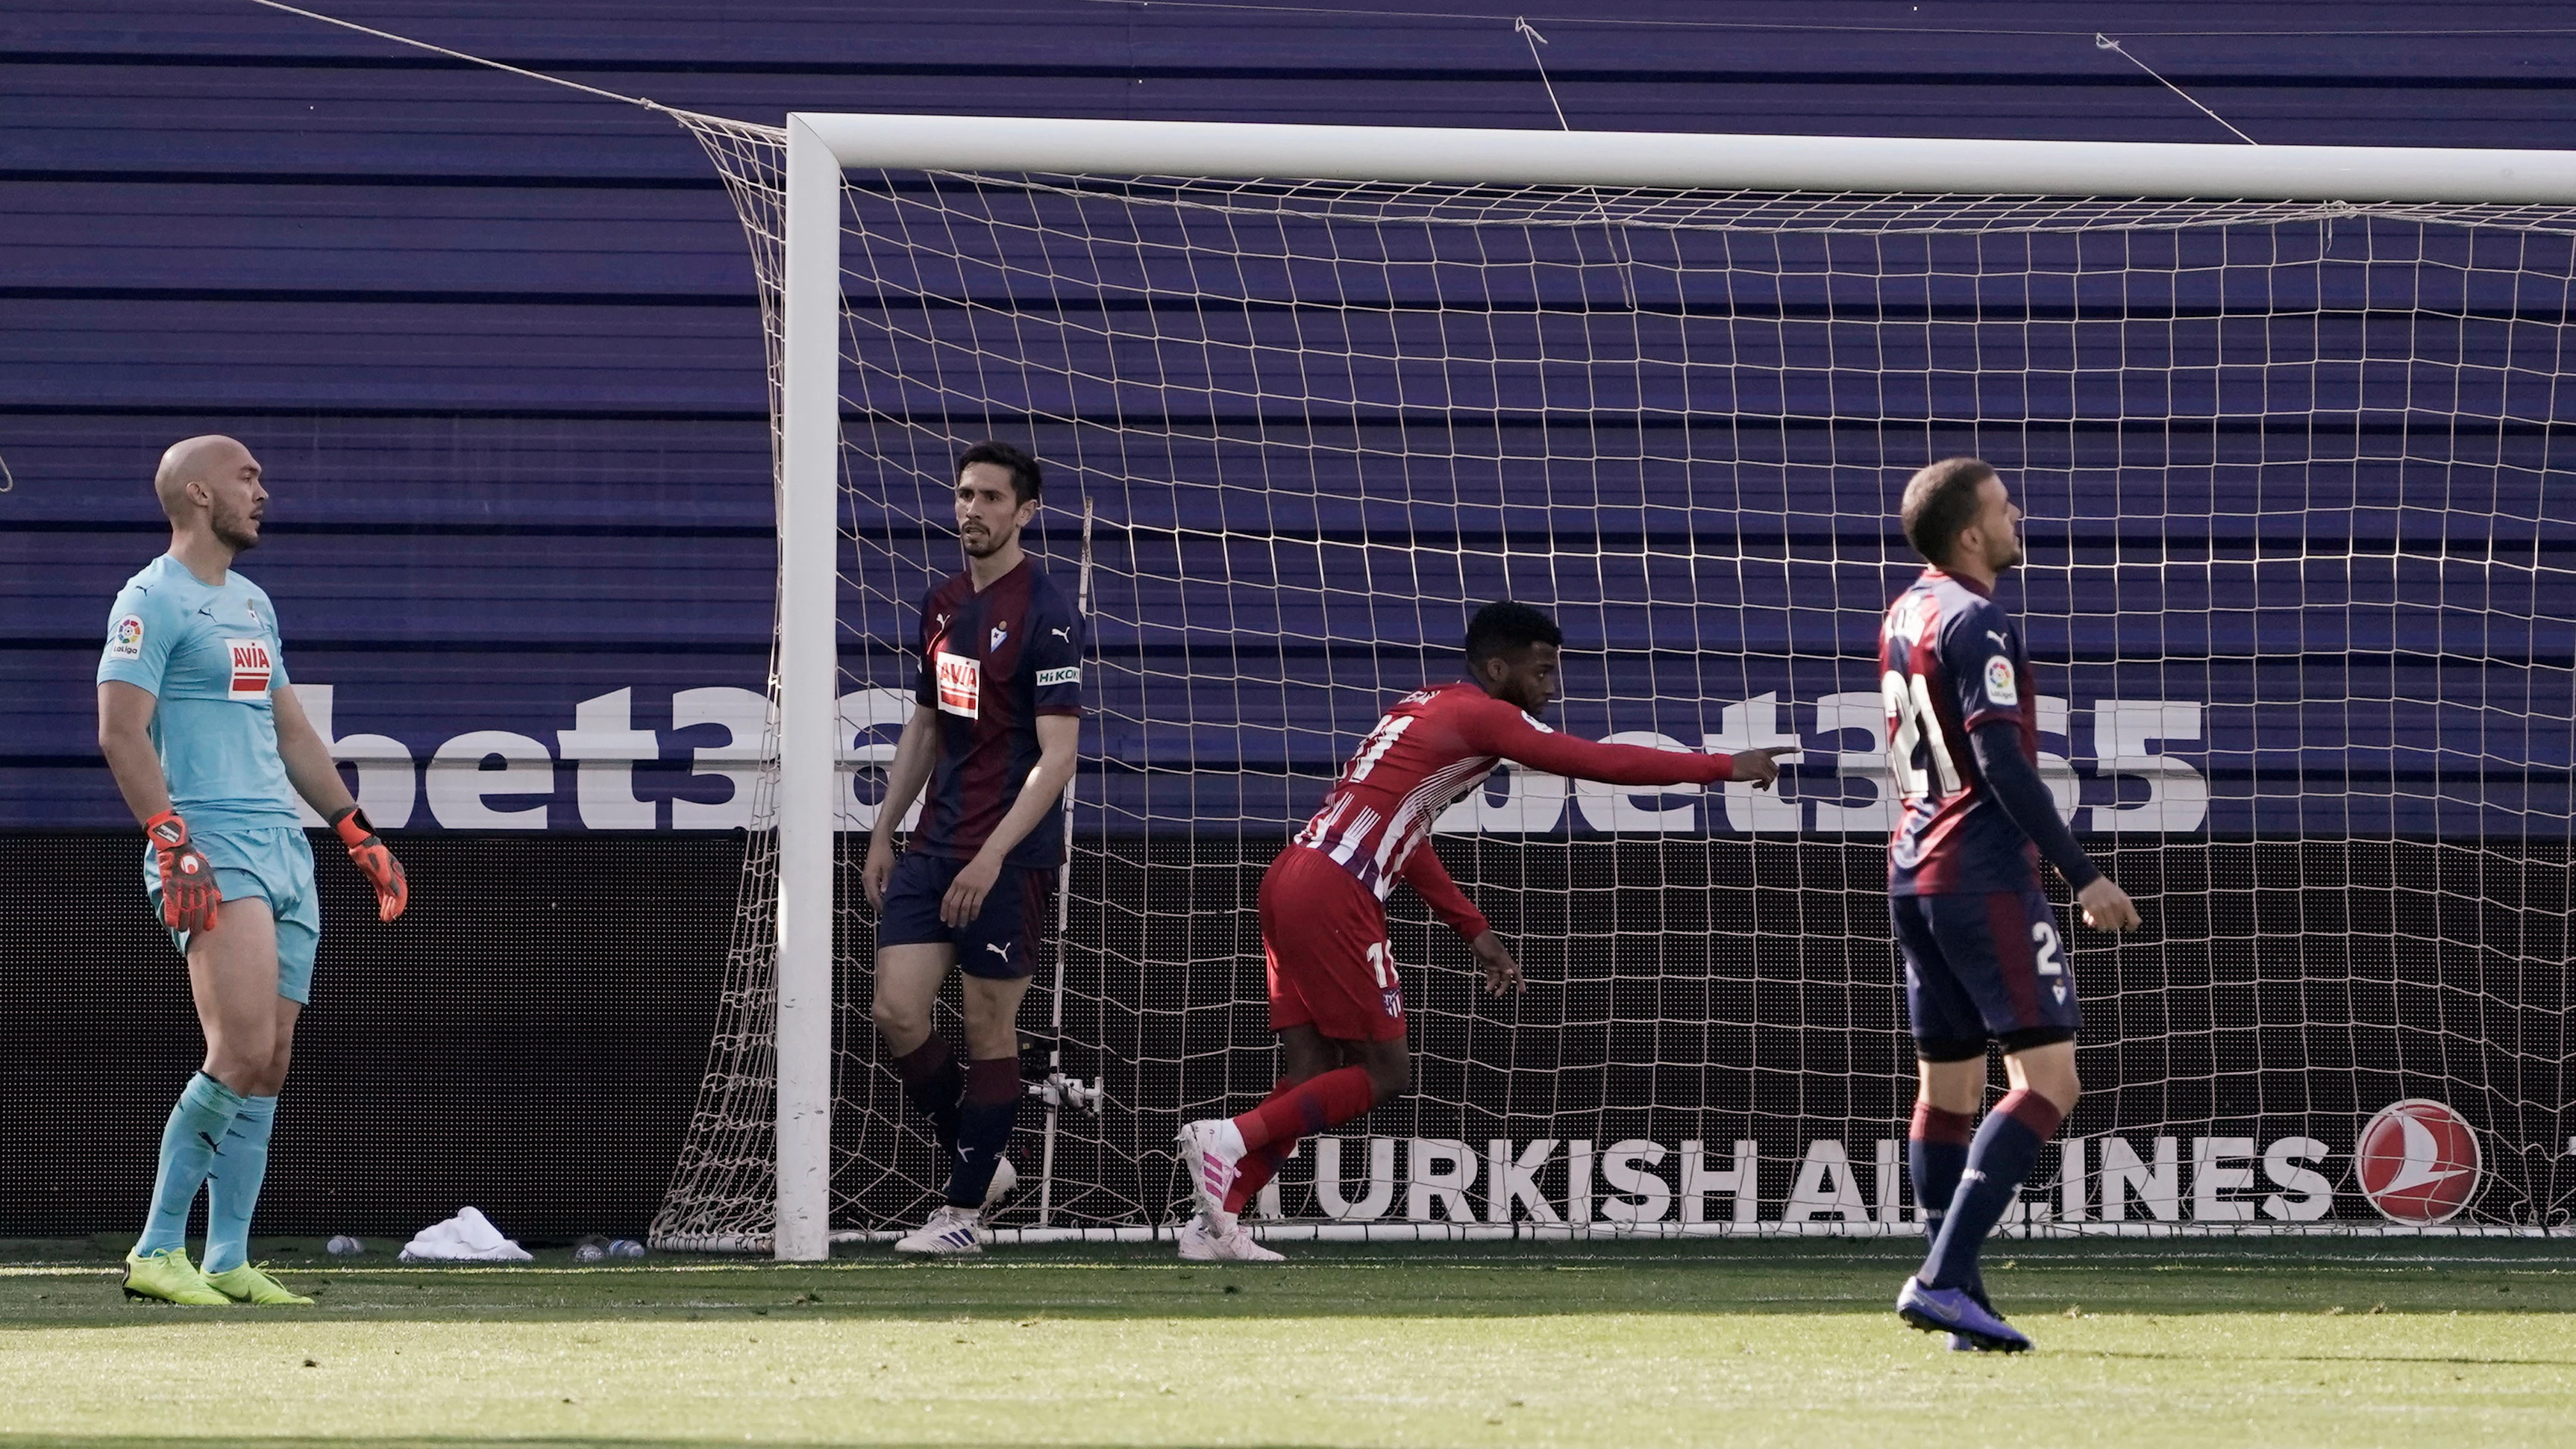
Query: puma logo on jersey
{"x": 1065, "y": 634}
{"x": 999, "y": 948}
{"x": 2000, "y": 641}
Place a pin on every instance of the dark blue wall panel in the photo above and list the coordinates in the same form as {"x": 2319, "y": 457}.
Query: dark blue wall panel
{"x": 498, "y": 345}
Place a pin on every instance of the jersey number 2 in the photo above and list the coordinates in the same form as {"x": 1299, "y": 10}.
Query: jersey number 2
{"x": 1915, "y": 724}
{"x": 2051, "y": 953}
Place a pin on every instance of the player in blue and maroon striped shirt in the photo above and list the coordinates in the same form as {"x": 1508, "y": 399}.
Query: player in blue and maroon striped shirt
{"x": 992, "y": 736}
{"x": 1982, "y": 955}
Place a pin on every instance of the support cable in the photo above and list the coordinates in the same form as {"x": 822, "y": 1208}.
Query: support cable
{"x": 2104, "y": 42}
{"x": 645, "y": 102}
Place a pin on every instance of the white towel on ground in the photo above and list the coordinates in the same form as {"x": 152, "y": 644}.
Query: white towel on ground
{"x": 468, "y": 1237}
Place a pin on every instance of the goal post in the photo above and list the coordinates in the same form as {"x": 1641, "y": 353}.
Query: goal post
{"x": 2013, "y": 180}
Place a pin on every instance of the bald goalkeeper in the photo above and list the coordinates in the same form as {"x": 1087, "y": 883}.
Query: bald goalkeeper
{"x": 206, "y": 741}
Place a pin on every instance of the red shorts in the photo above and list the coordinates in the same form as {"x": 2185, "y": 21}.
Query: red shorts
{"x": 1324, "y": 937}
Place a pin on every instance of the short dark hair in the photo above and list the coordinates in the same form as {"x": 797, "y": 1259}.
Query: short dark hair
{"x": 1940, "y": 501}
{"x": 1503, "y": 627}
{"x": 1027, "y": 481}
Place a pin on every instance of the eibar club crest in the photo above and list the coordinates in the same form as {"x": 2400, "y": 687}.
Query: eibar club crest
{"x": 2417, "y": 1161}
{"x": 1001, "y": 631}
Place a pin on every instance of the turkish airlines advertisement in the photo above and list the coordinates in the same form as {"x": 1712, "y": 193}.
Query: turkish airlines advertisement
{"x": 2416, "y": 1164}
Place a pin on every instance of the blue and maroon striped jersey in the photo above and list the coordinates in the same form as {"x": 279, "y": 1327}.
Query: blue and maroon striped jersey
{"x": 1951, "y": 660}
{"x": 991, "y": 663}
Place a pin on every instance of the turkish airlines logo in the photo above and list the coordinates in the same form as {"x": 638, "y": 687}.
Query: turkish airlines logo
{"x": 2418, "y": 1162}
{"x": 251, "y": 666}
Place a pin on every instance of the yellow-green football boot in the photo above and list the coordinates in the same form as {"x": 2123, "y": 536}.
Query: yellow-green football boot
{"x": 247, "y": 1284}
{"x": 168, "y": 1276}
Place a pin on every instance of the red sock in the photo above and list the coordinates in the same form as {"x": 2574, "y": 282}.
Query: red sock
{"x": 1262, "y": 1163}
{"x": 1309, "y": 1107}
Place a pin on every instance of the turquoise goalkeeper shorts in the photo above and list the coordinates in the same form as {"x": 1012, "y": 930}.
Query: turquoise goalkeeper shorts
{"x": 274, "y": 863}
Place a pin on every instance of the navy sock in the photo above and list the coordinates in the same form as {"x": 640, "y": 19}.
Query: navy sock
{"x": 2006, "y": 1148}
{"x": 933, "y": 1084}
{"x": 984, "y": 1122}
{"x": 189, "y": 1141}
{"x": 1936, "y": 1152}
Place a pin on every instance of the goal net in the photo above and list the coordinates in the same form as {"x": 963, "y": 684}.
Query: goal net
{"x": 2300, "y": 585}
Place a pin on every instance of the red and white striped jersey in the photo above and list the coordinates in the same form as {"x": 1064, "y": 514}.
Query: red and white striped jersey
{"x": 1433, "y": 746}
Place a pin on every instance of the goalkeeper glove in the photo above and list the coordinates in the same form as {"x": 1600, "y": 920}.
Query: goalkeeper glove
{"x": 374, "y": 862}
{"x": 189, "y": 895}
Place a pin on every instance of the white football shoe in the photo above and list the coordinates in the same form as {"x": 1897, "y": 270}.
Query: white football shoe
{"x": 1213, "y": 1150}
{"x": 949, "y": 1233}
{"x": 1202, "y": 1244}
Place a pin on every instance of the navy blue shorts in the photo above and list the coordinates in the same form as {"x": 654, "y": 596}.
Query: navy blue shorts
{"x": 1003, "y": 942}
{"x": 1980, "y": 966}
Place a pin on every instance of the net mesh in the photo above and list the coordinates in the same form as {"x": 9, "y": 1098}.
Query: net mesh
{"x": 2297, "y": 592}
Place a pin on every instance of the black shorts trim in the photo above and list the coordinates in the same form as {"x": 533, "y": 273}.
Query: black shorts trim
{"x": 1964, "y": 1049}
{"x": 2034, "y": 1036}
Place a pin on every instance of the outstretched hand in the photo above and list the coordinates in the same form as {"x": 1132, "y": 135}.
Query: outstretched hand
{"x": 1502, "y": 973}
{"x": 2107, "y": 907}
{"x": 1760, "y": 768}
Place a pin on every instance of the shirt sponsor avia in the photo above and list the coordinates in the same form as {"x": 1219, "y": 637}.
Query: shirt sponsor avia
{"x": 210, "y": 657}
{"x": 991, "y": 663}
{"x": 1951, "y": 660}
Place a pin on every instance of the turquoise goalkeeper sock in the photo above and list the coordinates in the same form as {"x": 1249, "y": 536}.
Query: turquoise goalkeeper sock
{"x": 232, "y": 1188}
{"x": 189, "y": 1142}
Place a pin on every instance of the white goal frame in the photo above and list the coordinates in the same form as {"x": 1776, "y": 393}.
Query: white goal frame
{"x": 820, "y": 147}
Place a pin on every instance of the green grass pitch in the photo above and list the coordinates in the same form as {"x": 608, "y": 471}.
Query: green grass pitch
{"x": 2328, "y": 1342}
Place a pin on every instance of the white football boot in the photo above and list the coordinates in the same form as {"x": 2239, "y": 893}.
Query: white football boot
{"x": 1213, "y": 1151}
{"x": 1202, "y": 1244}
{"x": 949, "y": 1233}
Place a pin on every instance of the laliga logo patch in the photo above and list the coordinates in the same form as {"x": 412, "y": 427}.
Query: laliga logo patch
{"x": 2000, "y": 687}
{"x": 2417, "y": 1161}
{"x": 125, "y": 641}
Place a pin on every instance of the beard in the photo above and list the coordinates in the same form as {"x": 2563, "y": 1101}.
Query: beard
{"x": 236, "y": 531}
{"x": 983, "y": 545}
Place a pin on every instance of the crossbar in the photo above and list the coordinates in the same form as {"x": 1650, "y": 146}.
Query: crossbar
{"x": 2358, "y": 174}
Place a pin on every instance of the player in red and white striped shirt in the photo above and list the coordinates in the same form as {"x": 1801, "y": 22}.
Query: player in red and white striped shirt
{"x": 1335, "y": 1000}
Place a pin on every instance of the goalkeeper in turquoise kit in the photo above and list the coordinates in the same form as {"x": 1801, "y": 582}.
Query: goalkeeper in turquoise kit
{"x": 210, "y": 749}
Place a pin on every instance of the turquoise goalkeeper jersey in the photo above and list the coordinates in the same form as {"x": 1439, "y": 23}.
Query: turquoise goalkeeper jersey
{"x": 211, "y": 657}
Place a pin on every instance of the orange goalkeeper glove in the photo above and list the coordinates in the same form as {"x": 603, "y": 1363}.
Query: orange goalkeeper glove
{"x": 189, "y": 895}
{"x": 374, "y": 862}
